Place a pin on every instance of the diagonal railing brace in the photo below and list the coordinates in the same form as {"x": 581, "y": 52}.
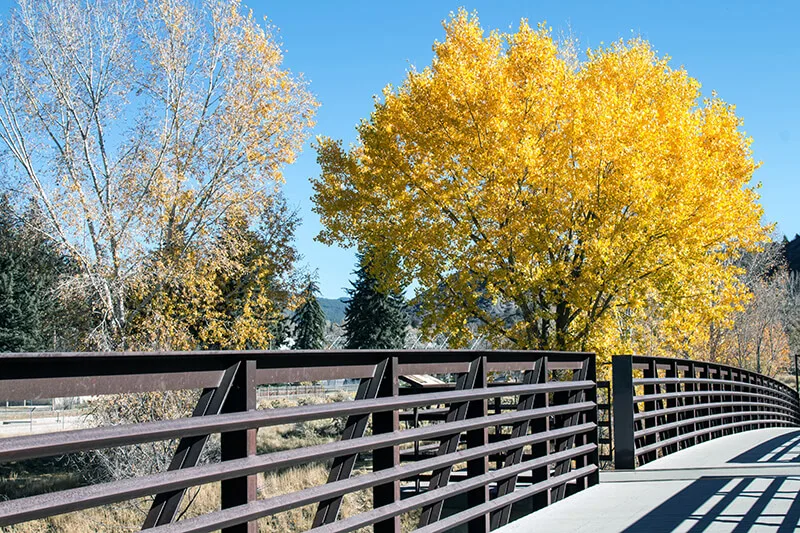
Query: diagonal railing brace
{"x": 165, "y": 505}
{"x": 355, "y": 427}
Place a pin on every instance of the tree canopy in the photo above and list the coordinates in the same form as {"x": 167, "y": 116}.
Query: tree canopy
{"x": 140, "y": 127}
{"x": 230, "y": 294}
{"x": 577, "y": 191}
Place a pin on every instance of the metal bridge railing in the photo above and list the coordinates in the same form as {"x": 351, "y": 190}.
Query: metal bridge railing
{"x": 605, "y": 430}
{"x": 535, "y": 446}
{"x": 662, "y": 405}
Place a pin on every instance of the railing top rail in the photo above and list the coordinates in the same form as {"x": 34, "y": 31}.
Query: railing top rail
{"x": 239, "y": 354}
{"x": 63, "y": 374}
{"x": 641, "y": 362}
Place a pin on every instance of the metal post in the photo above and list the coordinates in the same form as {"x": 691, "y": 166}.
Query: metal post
{"x": 478, "y": 467}
{"x": 389, "y": 457}
{"x": 240, "y": 444}
{"x": 591, "y": 416}
{"x": 796, "y": 378}
{"x": 622, "y": 393}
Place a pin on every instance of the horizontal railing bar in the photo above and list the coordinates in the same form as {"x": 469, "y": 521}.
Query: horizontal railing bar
{"x": 711, "y": 381}
{"x": 428, "y": 355}
{"x": 699, "y": 394}
{"x": 642, "y": 362}
{"x": 13, "y": 511}
{"x": 449, "y": 523}
{"x": 700, "y": 420}
{"x": 285, "y": 502}
{"x": 54, "y": 374}
{"x": 43, "y": 445}
{"x": 704, "y": 431}
{"x": 702, "y": 406}
{"x": 448, "y": 491}
{"x": 715, "y": 381}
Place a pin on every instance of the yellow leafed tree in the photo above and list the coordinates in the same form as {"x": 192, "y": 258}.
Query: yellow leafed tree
{"x": 569, "y": 192}
{"x": 230, "y": 294}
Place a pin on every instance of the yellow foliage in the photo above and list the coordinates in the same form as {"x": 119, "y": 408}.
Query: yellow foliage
{"x": 504, "y": 172}
{"x": 229, "y": 295}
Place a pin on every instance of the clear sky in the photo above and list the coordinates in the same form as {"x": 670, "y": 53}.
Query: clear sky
{"x": 746, "y": 51}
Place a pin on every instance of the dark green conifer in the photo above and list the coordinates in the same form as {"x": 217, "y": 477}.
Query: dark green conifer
{"x": 309, "y": 321}
{"x": 30, "y": 269}
{"x": 374, "y": 319}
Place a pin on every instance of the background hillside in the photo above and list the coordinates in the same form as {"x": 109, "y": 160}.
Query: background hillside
{"x": 333, "y": 309}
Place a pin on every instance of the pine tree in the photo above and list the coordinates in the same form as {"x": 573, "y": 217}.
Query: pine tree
{"x": 30, "y": 268}
{"x": 280, "y": 330}
{"x": 309, "y": 321}
{"x": 373, "y": 319}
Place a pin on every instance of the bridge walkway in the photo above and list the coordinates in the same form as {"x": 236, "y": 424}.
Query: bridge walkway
{"x": 749, "y": 481}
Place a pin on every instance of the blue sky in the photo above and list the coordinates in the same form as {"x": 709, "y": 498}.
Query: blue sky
{"x": 748, "y": 53}
{"x": 349, "y": 50}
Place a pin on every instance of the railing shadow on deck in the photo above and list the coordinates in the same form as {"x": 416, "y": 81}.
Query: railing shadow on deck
{"x": 736, "y": 502}
{"x": 780, "y": 449}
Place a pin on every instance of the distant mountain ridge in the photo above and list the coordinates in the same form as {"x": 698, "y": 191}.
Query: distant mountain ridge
{"x": 333, "y": 309}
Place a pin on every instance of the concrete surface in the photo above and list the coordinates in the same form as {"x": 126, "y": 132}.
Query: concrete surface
{"x": 39, "y": 424}
{"x": 744, "y": 482}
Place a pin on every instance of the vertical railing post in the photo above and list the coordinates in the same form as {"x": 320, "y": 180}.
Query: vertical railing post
{"x": 652, "y": 407}
{"x": 542, "y": 449}
{"x": 389, "y": 457}
{"x": 691, "y": 387}
{"x": 240, "y": 444}
{"x": 480, "y": 466}
{"x": 672, "y": 372}
{"x": 622, "y": 394}
{"x": 591, "y": 417}
{"x": 704, "y": 398}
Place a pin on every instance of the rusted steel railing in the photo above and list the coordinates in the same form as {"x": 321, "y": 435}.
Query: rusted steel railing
{"x": 437, "y": 444}
{"x": 677, "y": 403}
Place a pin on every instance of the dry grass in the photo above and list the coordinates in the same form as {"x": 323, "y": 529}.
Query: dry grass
{"x": 301, "y": 434}
{"x": 127, "y": 517}
{"x": 300, "y": 519}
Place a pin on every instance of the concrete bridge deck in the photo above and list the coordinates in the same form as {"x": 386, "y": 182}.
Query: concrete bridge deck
{"x": 744, "y": 482}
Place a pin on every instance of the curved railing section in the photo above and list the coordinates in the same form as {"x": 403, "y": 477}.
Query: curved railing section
{"x": 662, "y": 405}
{"x": 479, "y": 446}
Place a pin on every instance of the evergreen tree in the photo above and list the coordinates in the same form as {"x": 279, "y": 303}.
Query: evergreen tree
{"x": 374, "y": 319}
{"x": 30, "y": 269}
{"x": 280, "y": 330}
{"x": 309, "y": 321}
